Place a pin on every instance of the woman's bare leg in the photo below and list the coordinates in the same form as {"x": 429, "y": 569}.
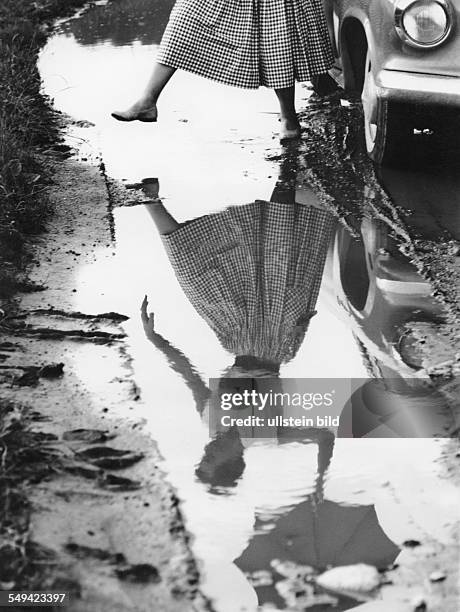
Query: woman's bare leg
{"x": 145, "y": 109}
{"x": 165, "y": 222}
{"x": 285, "y": 188}
{"x": 290, "y": 126}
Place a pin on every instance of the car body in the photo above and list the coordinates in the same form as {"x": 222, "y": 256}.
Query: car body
{"x": 403, "y": 57}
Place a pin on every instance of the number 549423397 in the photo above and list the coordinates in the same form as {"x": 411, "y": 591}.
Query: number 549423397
{"x": 32, "y": 599}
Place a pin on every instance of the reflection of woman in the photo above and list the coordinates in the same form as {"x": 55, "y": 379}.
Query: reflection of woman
{"x": 253, "y": 273}
{"x": 244, "y": 43}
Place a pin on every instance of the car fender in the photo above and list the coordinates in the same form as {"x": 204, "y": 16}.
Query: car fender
{"x": 361, "y": 27}
{"x": 355, "y": 37}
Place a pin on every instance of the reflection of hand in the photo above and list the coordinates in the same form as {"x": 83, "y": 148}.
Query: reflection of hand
{"x": 148, "y": 320}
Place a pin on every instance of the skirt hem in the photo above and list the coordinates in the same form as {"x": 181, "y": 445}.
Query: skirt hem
{"x": 231, "y": 83}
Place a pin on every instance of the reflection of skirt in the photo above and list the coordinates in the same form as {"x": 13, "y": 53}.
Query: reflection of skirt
{"x": 253, "y": 273}
{"x": 248, "y": 43}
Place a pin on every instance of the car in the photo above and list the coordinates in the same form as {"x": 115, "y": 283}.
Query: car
{"x": 403, "y": 58}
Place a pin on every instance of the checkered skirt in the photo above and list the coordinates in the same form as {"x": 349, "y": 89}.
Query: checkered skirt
{"x": 253, "y": 273}
{"x": 248, "y": 43}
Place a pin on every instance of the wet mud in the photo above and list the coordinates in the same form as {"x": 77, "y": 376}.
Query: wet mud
{"x": 267, "y": 523}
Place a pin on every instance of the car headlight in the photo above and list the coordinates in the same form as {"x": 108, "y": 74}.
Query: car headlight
{"x": 423, "y": 23}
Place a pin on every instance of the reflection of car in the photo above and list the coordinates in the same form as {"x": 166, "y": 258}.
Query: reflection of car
{"x": 372, "y": 282}
{"x": 381, "y": 295}
{"x": 375, "y": 288}
{"x": 399, "y": 54}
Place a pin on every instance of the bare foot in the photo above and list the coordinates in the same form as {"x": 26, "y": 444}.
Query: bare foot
{"x": 290, "y": 128}
{"x": 140, "y": 111}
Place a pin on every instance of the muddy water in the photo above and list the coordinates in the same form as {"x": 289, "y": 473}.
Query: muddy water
{"x": 313, "y": 500}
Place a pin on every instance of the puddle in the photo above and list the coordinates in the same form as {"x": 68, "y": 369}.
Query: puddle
{"x": 312, "y": 501}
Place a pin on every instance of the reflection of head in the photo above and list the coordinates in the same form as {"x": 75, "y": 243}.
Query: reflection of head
{"x": 222, "y": 463}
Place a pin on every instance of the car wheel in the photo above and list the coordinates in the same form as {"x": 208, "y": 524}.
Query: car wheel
{"x": 387, "y": 127}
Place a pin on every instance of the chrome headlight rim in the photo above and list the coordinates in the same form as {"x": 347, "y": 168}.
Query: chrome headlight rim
{"x": 401, "y": 7}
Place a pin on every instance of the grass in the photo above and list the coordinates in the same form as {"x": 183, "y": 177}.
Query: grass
{"x": 28, "y": 128}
